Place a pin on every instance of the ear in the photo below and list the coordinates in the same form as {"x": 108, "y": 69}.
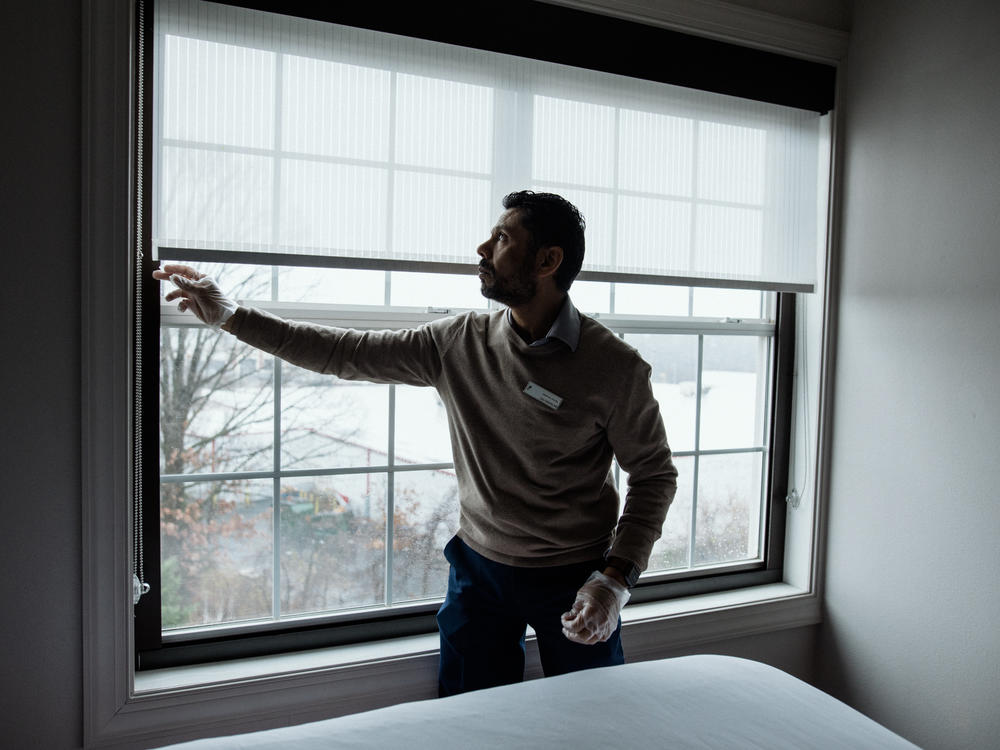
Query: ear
{"x": 547, "y": 260}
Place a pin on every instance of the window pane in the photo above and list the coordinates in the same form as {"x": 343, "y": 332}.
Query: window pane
{"x": 426, "y": 517}
{"x": 729, "y": 241}
{"x": 651, "y": 299}
{"x": 214, "y": 197}
{"x": 597, "y": 209}
{"x": 671, "y": 549}
{"x": 731, "y": 163}
{"x": 335, "y": 109}
{"x": 333, "y": 206}
{"x": 215, "y": 552}
{"x": 653, "y": 234}
{"x": 238, "y": 281}
{"x": 674, "y": 361}
{"x": 733, "y": 387}
{"x": 591, "y": 296}
{"x": 729, "y": 500}
{"x": 563, "y": 131}
{"x": 421, "y": 427}
{"x": 727, "y": 303}
{"x": 331, "y": 423}
{"x": 435, "y": 215}
{"x": 216, "y": 403}
{"x": 217, "y": 93}
{"x": 443, "y": 124}
{"x": 336, "y": 286}
{"x": 656, "y": 153}
{"x": 436, "y": 290}
{"x": 332, "y": 543}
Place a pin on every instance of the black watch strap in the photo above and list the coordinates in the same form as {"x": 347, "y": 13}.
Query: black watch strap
{"x": 629, "y": 570}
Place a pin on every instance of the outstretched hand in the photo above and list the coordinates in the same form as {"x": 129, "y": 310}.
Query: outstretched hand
{"x": 197, "y": 292}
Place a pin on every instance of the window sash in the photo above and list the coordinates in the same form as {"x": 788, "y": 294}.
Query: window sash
{"x": 375, "y": 317}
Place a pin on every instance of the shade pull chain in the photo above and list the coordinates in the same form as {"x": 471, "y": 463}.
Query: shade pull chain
{"x": 139, "y": 585}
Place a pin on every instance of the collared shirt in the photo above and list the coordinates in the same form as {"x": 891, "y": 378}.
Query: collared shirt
{"x": 565, "y": 328}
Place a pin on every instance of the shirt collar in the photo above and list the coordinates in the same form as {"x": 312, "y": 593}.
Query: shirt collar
{"x": 565, "y": 328}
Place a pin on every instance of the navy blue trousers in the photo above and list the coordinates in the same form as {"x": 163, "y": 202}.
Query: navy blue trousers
{"x": 488, "y": 606}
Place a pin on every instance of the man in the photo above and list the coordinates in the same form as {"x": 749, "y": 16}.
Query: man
{"x": 539, "y": 400}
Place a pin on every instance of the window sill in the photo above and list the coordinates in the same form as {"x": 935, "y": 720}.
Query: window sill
{"x": 282, "y": 666}
{"x": 248, "y": 694}
{"x": 679, "y": 622}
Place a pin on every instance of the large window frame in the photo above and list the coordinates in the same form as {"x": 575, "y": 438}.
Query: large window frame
{"x": 156, "y": 648}
{"x": 119, "y": 707}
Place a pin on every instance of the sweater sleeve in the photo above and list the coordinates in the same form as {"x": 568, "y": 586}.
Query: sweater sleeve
{"x": 638, "y": 438}
{"x": 409, "y": 356}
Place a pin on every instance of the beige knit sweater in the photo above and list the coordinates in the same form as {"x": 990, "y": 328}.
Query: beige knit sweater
{"x": 535, "y": 486}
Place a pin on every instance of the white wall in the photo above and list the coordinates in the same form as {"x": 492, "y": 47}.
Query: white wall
{"x": 911, "y": 633}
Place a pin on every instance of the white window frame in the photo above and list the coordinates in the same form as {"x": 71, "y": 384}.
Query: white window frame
{"x": 122, "y": 711}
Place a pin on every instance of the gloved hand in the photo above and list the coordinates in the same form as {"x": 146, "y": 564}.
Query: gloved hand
{"x": 594, "y": 615}
{"x": 199, "y": 293}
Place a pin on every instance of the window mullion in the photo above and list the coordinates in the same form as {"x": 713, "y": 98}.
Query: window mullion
{"x": 390, "y": 499}
{"x": 697, "y": 450}
{"x": 275, "y": 296}
{"x": 390, "y": 178}
{"x": 615, "y": 202}
{"x": 693, "y": 227}
{"x": 276, "y": 498}
{"x": 506, "y": 146}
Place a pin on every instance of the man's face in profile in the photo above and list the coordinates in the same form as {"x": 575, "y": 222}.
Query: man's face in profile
{"x": 507, "y": 265}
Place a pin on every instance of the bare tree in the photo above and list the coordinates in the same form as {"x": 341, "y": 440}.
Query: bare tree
{"x": 217, "y": 416}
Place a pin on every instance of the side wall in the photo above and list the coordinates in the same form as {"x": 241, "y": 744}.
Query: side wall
{"x": 912, "y": 602}
{"x": 40, "y": 630}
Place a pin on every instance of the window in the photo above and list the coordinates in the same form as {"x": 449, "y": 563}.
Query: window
{"x": 330, "y": 174}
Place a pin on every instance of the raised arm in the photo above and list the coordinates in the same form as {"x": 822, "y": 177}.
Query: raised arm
{"x": 408, "y": 356}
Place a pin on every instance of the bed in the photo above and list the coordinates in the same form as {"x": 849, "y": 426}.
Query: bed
{"x": 704, "y": 702}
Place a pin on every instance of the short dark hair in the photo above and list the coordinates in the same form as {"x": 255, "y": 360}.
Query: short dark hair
{"x": 552, "y": 220}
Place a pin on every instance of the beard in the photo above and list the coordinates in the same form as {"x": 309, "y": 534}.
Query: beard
{"x": 513, "y": 290}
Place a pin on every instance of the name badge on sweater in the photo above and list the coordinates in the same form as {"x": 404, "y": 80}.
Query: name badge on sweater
{"x": 540, "y": 394}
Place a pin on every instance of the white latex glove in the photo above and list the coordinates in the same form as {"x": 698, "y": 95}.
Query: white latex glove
{"x": 594, "y": 615}
{"x": 199, "y": 293}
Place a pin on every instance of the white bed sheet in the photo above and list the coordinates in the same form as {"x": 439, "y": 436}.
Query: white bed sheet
{"x": 697, "y": 702}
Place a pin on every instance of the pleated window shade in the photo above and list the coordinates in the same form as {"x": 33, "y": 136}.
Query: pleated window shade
{"x": 287, "y": 141}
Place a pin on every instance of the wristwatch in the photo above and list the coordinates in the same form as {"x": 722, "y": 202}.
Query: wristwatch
{"x": 629, "y": 570}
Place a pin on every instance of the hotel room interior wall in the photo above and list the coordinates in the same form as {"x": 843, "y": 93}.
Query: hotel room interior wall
{"x": 40, "y": 544}
{"x": 912, "y": 601}
{"x": 831, "y": 14}
{"x": 40, "y": 590}
{"x": 790, "y": 650}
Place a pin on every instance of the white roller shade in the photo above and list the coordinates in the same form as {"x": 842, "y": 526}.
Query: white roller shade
{"x": 291, "y": 141}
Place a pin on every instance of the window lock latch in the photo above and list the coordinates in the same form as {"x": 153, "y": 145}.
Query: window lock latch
{"x": 794, "y": 499}
{"x": 138, "y": 589}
